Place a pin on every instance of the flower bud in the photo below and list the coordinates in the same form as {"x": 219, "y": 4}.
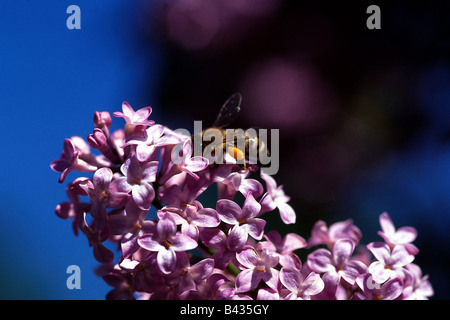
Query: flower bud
{"x": 102, "y": 119}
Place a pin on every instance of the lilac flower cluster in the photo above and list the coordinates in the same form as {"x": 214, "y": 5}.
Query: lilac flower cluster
{"x": 169, "y": 246}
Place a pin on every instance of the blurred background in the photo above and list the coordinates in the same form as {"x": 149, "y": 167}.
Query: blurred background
{"x": 364, "y": 115}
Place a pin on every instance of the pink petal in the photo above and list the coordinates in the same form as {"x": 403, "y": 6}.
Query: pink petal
{"x": 201, "y": 270}
{"x": 166, "y": 260}
{"x": 386, "y": 224}
{"x": 183, "y": 242}
{"x": 270, "y": 182}
{"x": 229, "y": 211}
{"x": 207, "y": 217}
{"x": 404, "y": 235}
{"x": 251, "y": 207}
{"x": 247, "y": 280}
{"x": 256, "y": 228}
{"x": 293, "y": 241}
{"x": 380, "y": 250}
{"x": 149, "y": 242}
{"x": 320, "y": 261}
{"x": 196, "y": 164}
{"x": 142, "y": 114}
{"x": 291, "y": 278}
{"x": 251, "y": 186}
{"x": 143, "y": 195}
{"x": 237, "y": 237}
{"x": 342, "y": 251}
{"x": 102, "y": 177}
{"x": 248, "y": 257}
{"x": 313, "y": 284}
{"x": 287, "y": 213}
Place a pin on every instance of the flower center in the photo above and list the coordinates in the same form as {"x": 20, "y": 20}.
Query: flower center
{"x": 241, "y": 220}
{"x": 167, "y": 243}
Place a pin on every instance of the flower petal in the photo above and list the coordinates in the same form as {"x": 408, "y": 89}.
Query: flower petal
{"x": 202, "y": 270}
{"x": 256, "y": 228}
{"x": 342, "y": 251}
{"x": 207, "y": 217}
{"x": 237, "y": 237}
{"x": 251, "y": 207}
{"x": 386, "y": 224}
{"x": 291, "y": 278}
{"x": 287, "y": 214}
{"x": 270, "y": 182}
{"x": 149, "y": 242}
{"x": 313, "y": 284}
{"x": 320, "y": 261}
{"x": 183, "y": 242}
{"x": 143, "y": 195}
{"x": 247, "y": 280}
{"x": 229, "y": 211}
{"x": 166, "y": 260}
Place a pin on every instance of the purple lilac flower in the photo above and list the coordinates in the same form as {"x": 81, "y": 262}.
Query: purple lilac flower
{"x": 192, "y": 217}
{"x": 104, "y": 194}
{"x": 339, "y": 261}
{"x": 69, "y": 161}
{"x": 321, "y": 234}
{"x": 137, "y": 180}
{"x": 230, "y": 182}
{"x": 186, "y": 277}
{"x": 284, "y": 248}
{"x": 389, "y": 290}
{"x": 300, "y": 287}
{"x": 166, "y": 241}
{"x": 403, "y": 236}
{"x": 144, "y": 196}
{"x": 388, "y": 261}
{"x": 257, "y": 266}
{"x": 135, "y": 120}
{"x": 184, "y": 162}
{"x": 243, "y": 220}
{"x": 276, "y": 198}
{"x": 417, "y": 286}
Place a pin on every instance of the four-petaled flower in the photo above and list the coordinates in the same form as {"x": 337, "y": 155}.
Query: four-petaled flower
{"x": 166, "y": 241}
{"x": 338, "y": 261}
{"x": 284, "y": 247}
{"x": 276, "y": 198}
{"x": 403, "y": 236}
{"x": 243, "y": 220}
{"x": 257, "y": 266}
{"x": 388, "y": 261}
{"x": 134, "y": 119}
{"x": 371, "y": 290}
{"x": 71, "y": 160}
{"x": 300, "y": 288}
{"x": 137, "y": 179}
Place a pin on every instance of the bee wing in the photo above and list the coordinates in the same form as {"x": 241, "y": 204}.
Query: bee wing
{"x": 229, "y": 111}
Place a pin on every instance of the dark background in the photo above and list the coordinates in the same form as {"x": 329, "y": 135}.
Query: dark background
{"x": 364, "y": 115}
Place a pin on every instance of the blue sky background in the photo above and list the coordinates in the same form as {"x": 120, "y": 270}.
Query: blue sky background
{"x": 52, "y": 80}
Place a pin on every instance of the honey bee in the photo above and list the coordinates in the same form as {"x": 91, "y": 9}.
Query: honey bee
{"x": 243, "y": 146}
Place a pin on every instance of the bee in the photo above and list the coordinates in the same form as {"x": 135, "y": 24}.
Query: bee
{"x": 243, "y": 146}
